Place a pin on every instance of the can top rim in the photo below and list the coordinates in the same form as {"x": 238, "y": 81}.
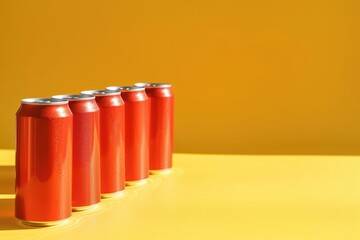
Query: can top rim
{"x": 44, "y": 101}
{"x": 105, "y": 92}
{"x": 125, "y": 88}
{"x": 153, "y": 85}
{"x": 75, "y": 97}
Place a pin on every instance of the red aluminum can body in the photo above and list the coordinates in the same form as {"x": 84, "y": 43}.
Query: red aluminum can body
{"x": 161, "y": 104}
{"x": 112, "y": 141}
{"x": 86, "y": 152}
{"x": 43, "y": 161}
{"x": 136, "y": 134}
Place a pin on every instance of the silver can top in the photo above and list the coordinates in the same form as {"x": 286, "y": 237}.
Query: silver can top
{"x": 74, "y": 97}
{"x": 125, "y": 88}
{"x": 154, "y": 85}
{"x": 44, "y": 101}
{"x": 100, "y": 92}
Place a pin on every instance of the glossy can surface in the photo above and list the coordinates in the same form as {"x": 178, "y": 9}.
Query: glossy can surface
{"x": 43, "y": 161}
{"x": 161, "y": 117}
{"x": 136, "y": 134}
{"x": 112, "y": 141}
{"x": 86, "y": 152}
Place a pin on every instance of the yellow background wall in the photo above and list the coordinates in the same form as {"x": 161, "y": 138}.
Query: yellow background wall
{"x": 263, "y": 77}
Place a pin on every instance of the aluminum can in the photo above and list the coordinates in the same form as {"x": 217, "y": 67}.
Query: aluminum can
{"x": 136, "y": 134}
{"x": 43, "y": 161}
{"x": 161, "y": 117}
{"x": 112, "y": 142}
{"x": 86, "y": 152}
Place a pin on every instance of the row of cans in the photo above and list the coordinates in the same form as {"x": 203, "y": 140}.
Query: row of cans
{"x": 73, "y": 150}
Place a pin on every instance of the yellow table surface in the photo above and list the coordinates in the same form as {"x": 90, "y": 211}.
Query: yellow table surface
{"x": 216, "y": 197}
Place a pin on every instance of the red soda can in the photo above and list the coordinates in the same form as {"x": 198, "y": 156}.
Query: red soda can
{"x": 136, "y": 134}
{"x": 86, "y": 153}
{"x": 112, "y": 141}
{"x": 43, "y": 161}
{"x": 161, "y": 104}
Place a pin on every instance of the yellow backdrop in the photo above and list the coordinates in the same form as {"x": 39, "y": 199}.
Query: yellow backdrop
{"x": 264, "y": 77}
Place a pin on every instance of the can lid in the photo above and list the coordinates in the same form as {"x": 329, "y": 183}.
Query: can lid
{"x": 153, "y": 85}
{"x": 100, "y": 92}
{"x": 141, "y": 84}
{"x": 125, "y": 88}
{"x": 75, "y": 97}
{"x": 43, "y": 101}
